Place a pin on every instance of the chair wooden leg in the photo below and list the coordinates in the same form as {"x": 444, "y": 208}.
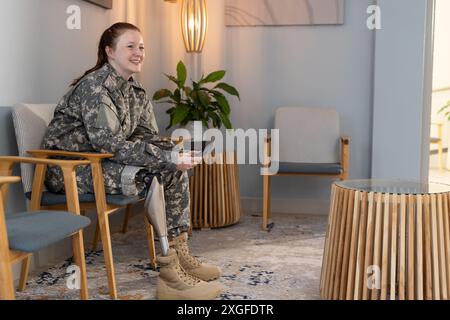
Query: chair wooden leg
{"x": 126, "y": 218}
{"x": 151, "y": 243}
{"x": 107, "y": 253}
{"x": 266, "y": 201}
{"x": 6, "y": 277}
{"x": 6, "y": 281}
{"x": 24, "y": 273}
{"x": 78, "y": 252}
{"x": 96, "y": 237}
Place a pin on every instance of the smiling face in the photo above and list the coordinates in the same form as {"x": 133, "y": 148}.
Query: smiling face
{"x": 128, "y": 53}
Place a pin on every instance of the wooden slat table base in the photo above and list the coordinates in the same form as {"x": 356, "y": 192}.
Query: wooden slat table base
{"x": 215, "y": 195}
{"x": 386, "y": 246}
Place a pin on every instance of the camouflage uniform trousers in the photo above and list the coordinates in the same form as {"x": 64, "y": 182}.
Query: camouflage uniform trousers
{"x": 175, "y": 183}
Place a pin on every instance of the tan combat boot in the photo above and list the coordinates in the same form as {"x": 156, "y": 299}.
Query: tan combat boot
{"x": 192, "y": 265}
{"x": 175, "y": 284}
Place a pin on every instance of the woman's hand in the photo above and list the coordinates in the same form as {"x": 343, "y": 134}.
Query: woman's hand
{"x": 188, "y": 160}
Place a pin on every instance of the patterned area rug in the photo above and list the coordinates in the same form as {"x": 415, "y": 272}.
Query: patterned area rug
{"x": 284, "y": 263}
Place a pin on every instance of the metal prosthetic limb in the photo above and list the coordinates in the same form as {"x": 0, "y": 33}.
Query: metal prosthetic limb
{"x": 156, "y": 213}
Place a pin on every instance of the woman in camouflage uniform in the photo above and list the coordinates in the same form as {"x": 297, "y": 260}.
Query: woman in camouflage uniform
{"x": 107, "y": 111}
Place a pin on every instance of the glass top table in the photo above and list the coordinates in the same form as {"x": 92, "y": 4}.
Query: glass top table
{"x": 394, "y": 186}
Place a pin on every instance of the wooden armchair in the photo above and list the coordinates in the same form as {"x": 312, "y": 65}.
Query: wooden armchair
{"x": 37, "y": 117}
{"x": 309, "y": 144}
{"x": 26, "y": 233}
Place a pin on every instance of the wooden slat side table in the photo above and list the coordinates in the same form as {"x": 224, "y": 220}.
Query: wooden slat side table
{"x": 215, "y": 195}
{"x": 387, "y": 240}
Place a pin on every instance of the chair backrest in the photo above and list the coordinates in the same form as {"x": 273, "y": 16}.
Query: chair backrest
{"x": 30, "y": 124}
{"x": 308, "y": 135}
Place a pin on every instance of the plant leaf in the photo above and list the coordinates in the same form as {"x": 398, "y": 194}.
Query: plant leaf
{"x": 229, "y": 89}
{"x": 176, "y": 95}
{"x": 204, "y": 98}
{"x": 187, "y": 90}
{"x": 226, "y": 121}
{"x": 194, "y": 98}
{"x": 179, "y": 114}
{"x": 163, "y": 93}
{"x": 223, "y": 104}
{"x": 195, "y": 115}
{"x": 214, "y": 76}
{"x": 181, "y": 74}
{"x": 172, "y": 78}
{"x": 216, "y": 119}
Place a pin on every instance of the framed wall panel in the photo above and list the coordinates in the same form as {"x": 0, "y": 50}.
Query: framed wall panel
{"x": 107, "y": 4}
{"x": 283, "y": 12}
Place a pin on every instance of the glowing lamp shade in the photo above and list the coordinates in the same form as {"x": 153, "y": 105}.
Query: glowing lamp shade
{"x": 194, "y": 23}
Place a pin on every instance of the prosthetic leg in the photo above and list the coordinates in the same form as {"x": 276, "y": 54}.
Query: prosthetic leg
{"x": 156, "y": 212}
{"x": 174, "y": 283}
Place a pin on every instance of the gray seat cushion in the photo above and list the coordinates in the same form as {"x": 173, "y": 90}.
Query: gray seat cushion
{"x": 50, "y": 198}
{"x": 30, "y": 232}
{"x": 321, "y": 168}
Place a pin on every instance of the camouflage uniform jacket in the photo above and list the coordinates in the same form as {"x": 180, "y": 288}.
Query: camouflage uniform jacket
{"x": 105, "y": 113}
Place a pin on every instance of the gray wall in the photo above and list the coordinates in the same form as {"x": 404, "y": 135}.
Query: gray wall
{"x": 312, "y": 66}
{"x": 19, "y": 71}
{"x": 401, "y": 109}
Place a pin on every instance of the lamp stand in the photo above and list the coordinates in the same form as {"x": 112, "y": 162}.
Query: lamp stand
{"x": 195, "y": 65}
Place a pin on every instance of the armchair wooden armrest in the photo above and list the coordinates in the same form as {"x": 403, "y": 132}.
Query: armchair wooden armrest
{"x": 5, "y": 180}
{"x": 68, "y": 168}
{"x": 6, "y": 162}
{"x": 93, "y": 159}
{"x": 85, "y": 155}
{"x": 345, "y": 140}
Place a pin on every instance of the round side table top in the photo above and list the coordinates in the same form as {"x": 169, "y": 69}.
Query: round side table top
{"x": 394, "y": 186}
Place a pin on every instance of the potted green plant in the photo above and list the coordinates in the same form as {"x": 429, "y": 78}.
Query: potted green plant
{"x": 204, "y": 101}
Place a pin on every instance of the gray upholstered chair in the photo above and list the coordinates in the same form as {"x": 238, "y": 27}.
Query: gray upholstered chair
{"x": 309, "y": 144}
{"x": 24, "y": 233}
{"x": 30, "y": 124}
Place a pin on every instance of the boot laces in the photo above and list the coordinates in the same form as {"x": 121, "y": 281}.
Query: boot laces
{"x": 186, "y": 277}
{"x": 184, "y": 250}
